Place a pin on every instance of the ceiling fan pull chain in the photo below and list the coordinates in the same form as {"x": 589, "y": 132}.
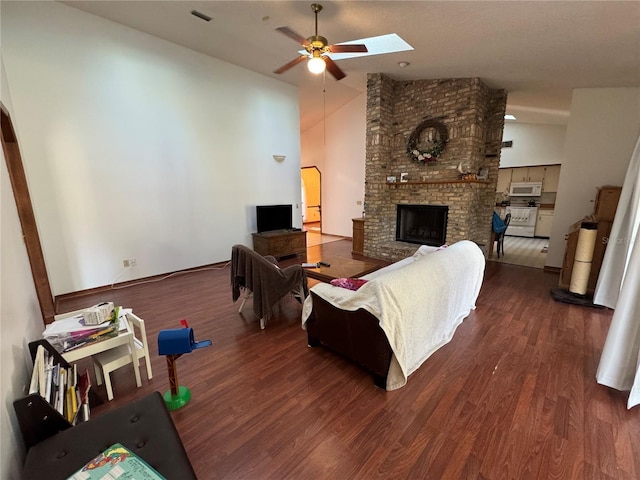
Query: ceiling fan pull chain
{"x": 324, "y": 108}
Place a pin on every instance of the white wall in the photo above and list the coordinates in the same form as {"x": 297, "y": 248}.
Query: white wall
{"x": 601, "y": 134}
{"x": 337, "y": 147}
{"x": 533, "y": 144}
{"x": 20, "y": 318}
{"x": 135, "y": 147}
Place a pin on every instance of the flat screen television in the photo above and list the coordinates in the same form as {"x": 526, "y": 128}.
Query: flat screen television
{"x": 274, "y": 217}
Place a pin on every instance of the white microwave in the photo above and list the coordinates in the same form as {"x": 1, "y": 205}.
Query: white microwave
{"x": 525, "y": 189}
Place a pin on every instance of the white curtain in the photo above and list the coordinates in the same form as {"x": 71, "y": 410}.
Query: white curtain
{"x": 618, "y": 287}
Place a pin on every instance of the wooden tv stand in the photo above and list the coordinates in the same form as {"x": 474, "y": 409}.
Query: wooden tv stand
{"x": 281, "y": 243}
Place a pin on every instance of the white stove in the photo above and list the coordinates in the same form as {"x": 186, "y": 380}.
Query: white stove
{"x": 523, "y": 221}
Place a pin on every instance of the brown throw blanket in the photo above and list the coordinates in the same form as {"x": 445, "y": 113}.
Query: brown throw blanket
{"x": 262, "y": 276}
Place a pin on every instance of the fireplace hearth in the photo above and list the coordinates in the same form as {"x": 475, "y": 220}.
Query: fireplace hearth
{"x": 422, "y": 224}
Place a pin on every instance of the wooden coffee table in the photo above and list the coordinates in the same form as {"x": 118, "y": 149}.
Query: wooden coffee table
{"x": 342, "y": 268}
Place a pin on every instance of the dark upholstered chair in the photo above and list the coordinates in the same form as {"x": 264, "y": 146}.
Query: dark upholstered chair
{"x": 264, "y": 280}
{"x": 500, "y": 235}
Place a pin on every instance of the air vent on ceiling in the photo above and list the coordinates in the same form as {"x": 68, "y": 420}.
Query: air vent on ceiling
{"x": 201, "y": 15}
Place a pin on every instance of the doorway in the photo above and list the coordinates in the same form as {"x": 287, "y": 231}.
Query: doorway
{"x": 311, "y": 199}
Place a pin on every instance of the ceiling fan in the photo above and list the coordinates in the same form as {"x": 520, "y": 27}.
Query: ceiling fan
{"x": 318, "y": 48}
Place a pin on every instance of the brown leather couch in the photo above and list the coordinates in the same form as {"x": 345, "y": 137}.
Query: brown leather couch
{"x": 354, "y": 335}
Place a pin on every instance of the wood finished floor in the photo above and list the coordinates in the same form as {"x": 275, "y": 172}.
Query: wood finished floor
{"x": 512, "y": 396}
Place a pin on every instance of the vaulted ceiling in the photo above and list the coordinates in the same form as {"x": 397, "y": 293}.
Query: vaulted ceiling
{"x": 537, "y": 51}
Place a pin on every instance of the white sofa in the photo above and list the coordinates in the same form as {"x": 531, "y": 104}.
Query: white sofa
{"x": 402, "y": 315}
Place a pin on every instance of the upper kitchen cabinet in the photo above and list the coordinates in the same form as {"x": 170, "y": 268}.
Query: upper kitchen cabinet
{"x": 527, "y": 174}
{"x": 551, "y": 178}
{"x": 549, "y": 175}
{"x": 504, "y": 180}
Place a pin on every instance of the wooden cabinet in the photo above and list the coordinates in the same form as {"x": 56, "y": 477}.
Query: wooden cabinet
{"x": 519, "y": 174}
{"x": 280, "y": 243}
{"x": 527, "y": 174}
{"x": 549, "y": 175}
{"x": 358, "y": 236}
{"x": 535, "y": 174}
{"x": 551, "y": 178}
{"x": 607, "y": 202}
{"x": 543, "y": 223}
{"x": 504, "y": 180}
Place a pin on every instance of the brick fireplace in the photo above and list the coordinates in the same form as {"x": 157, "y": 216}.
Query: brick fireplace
{"x": 474, "y": 118}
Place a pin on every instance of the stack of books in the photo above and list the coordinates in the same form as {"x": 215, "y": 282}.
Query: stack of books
{"x": 61, "y": 386}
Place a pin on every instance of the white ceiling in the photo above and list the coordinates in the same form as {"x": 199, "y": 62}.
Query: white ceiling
{"x": 537, "y": 50}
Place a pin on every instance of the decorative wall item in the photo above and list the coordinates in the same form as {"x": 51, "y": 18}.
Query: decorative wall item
{"x": 391, "y": 179}
{"x": 428, "y": 141}
{"x": 404, "y": 177}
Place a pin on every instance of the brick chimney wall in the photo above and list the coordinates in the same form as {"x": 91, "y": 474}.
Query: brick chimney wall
{"x": 474, "y": 116}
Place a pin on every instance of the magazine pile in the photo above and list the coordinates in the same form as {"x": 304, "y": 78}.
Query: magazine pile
{"x": 74, "y": 331}
{"x": 117, "y": 461}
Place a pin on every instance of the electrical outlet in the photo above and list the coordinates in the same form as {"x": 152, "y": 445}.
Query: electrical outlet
{"x": 125, "y": 263}
{"x": 133, "y": 262}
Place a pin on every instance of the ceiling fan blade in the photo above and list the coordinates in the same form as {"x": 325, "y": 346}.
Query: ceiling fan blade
{"x": 295, "y": 36}
{"x": 292, "y": 63}
{"x": 359, "y": 48}
{"x": 334, "y": 69}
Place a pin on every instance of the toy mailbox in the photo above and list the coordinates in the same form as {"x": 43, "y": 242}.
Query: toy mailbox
{"x": 179, "y": 341}
{"x": 173, "y": 344}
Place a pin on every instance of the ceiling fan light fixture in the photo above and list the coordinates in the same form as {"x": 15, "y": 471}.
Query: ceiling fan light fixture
{"x": 316, "y": 65}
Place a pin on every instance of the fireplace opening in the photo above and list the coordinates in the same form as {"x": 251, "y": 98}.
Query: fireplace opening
{"x": 422, "y": 224}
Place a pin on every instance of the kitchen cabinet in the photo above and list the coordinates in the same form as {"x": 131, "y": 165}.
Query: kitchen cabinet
{"x": 543, "y": 223}
{"x": 504, "y": 180}
{"x": 535, "y": 174}
{"x": 549, "y": 175}
{"x": 551, "y": 178}
{"x": 527, "y": 174}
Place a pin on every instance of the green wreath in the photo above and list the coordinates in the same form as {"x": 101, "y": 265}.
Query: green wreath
{"x": 434, "y": 147}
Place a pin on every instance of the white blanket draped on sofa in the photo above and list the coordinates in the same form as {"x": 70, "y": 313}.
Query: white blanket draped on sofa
{"x": 419, "y": 305}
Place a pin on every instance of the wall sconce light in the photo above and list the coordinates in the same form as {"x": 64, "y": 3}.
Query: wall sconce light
{"x": 279, "y": 158}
